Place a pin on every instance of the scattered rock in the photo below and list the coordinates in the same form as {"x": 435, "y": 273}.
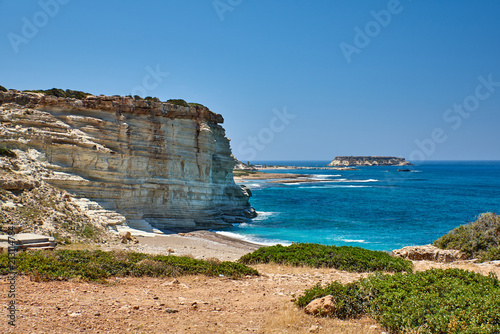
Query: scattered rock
{"x": 321, "y": 306}
{"x": 16, "y": 184}
{"x": 313, "y": 329}
{"x": 171, "y": 310}
{"x": 126, "y": 237}
{"x": 11, "y": 229}
{"x": 430, "y": 253}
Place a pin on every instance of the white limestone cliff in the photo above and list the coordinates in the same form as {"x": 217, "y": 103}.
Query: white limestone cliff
{"x": 168, "y": 165}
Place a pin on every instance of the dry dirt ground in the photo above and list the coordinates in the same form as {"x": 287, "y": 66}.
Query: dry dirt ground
{"x": 191, "y": 304}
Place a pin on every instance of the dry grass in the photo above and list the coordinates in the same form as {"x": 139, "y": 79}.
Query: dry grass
{"x": 290, "y": 319}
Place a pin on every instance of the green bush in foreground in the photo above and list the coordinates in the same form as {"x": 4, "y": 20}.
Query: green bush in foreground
{"x": 480, "y": 239}
{"x": 353, "y": 259}
{"x": 432, "y": 301}
{"x": 98, "y": 265}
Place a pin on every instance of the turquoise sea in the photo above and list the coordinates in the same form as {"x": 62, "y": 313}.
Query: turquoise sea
{"x": 377, "y": 208}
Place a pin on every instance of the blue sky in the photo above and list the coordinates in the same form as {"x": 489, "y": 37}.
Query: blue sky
{"x": 294, "y": 80}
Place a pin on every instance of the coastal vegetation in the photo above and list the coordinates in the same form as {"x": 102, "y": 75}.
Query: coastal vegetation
{"x": 3, "y": 89}
{"x": 98, "y": 265}
{"x": 5, "y": 152}
{"x": 353, "y": 259}
{"x": 68, "y": 93}
{"x": 479, "y": 239}
{"x": 431, "y": 301}
{"x": 178, "y": 102}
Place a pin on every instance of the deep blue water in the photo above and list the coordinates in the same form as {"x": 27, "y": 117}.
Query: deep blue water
{"x": 377, "y": 208}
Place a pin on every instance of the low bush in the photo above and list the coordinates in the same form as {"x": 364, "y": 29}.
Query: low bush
{"x": 5, "y": 152}
{"x": 3, "y": 89}
{"x": 479, "y": 239}
{"x": 196, "y": 104}
{"x": 178, "y": 102}
{"x": 68, "y": 93}
{"x": 353, "y": 259}
{"x": 432, "y": 301}
{"x": 99, "y": 265}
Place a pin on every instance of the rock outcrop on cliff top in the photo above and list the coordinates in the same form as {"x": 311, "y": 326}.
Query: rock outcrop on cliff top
{"x": 154, "y": 162}
{"x": 368, "y": 161}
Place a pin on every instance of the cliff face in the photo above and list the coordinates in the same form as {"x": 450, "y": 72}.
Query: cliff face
{"x": 368, "y": 161}
{"x": 150, "y": 161}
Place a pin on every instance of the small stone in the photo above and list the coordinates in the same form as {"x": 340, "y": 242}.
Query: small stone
{"x": 171, "y": 310}
{"x": 313, "y": 329}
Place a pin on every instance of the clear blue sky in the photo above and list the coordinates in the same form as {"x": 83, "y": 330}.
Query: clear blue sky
{"x": 353, "y": 85}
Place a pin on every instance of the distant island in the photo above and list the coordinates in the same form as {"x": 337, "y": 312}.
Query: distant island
{"x": 368, "y": 161}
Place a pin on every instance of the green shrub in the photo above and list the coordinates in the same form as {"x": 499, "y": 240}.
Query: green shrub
{"x": 178, "y": 102}
{"x": 154, "y": 99}
{"x": 98, "y": 265}
{"x": 432, "y": 301}
{"x": 3, "y": 89}
{"x": 68, "y": 93}
{"x": 354, "y": 259}
{"x": 196, "y": 104}
{"x": 479, "y": 239}
{"x": 5, "y": 152}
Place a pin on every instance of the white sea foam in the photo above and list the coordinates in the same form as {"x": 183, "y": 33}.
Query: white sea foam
{"x": 262, "y": 215}
{"x": 352, "y": 181}
{"x": 354, "y": 240}
{"x": 323, "y": 176}
{"x": 334, "y": 186}
{"x": 252, "y": 239}
{"x": 253, "y": 185}
{"x": 369, "y": 180}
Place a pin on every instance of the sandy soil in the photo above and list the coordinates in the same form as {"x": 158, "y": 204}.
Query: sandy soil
{"x": 198, "y": 244}
{"x": 192, "y": 304}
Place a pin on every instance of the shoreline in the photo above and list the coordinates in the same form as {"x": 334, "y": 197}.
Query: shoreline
{"x": 200, "y": 244}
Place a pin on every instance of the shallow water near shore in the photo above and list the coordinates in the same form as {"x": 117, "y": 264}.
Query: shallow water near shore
{"x": 377, "y": 208}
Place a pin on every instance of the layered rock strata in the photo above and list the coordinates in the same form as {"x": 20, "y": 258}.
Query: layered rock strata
{"x": 368, "y": 161}
{"x": 168, "y": 165}
{"x": 429, "y": 253}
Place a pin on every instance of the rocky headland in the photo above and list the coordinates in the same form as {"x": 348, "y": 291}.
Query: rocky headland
{"x": 158, "y": 165}
{"x": 368, "y": 161}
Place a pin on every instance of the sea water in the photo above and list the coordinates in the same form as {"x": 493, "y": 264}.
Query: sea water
{"x": 377, "y": 208}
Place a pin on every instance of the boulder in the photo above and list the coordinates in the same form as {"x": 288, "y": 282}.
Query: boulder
{"x": 429, "y": 253}
{"x": 127, "y": 237}
{"x": 11, "y": 229}
{"x": 321, "y": 306}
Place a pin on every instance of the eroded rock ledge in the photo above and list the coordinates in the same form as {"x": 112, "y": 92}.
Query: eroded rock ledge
{"x": 154, "y": 162}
